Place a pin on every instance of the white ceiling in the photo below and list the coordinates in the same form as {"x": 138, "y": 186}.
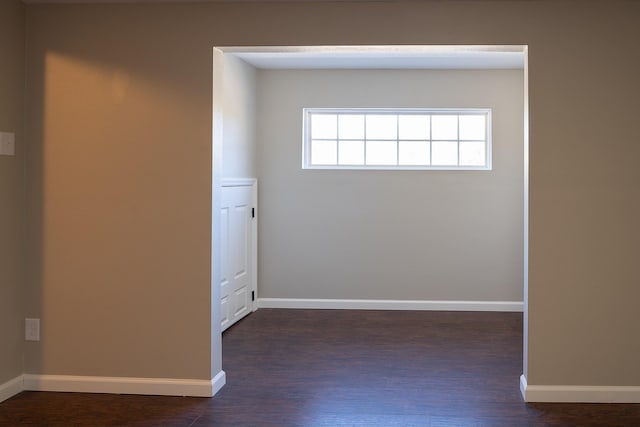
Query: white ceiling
{"x": 383, "y": 57}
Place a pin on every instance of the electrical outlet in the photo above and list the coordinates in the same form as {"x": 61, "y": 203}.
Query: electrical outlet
{"x": 32, "y": 329}
{"x": 7, "y": 144}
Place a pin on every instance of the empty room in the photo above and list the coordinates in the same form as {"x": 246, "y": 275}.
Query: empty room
{"x": 438, "y": 207}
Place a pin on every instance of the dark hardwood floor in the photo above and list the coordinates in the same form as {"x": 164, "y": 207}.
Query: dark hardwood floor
{"x": 344, "y": 368}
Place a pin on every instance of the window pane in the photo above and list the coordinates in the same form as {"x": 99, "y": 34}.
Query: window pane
{"x": 444, "y": 153}
{"x": 472, "y": 127}
{"x": 413, "y": 126}
{"x": 381, "y": 153}
{"x": 324, "y": 126}
{"x": 414, "y": 153}
{"x": 444, "y": 127}
{"x": 415, "y": 138}
{"x": 324, "y": 152}
{"x": 382, "y": 126}
{"x": 351, "y": 126}
{"x": 351, "y": 153}
{"x": 472, "y": 153}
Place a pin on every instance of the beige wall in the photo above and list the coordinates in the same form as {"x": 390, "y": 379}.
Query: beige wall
{"x": 119, "y": 195}
{"x": 12, "y": 189}
{"x": 390, "y": 235}
{"x": 119, "y": 172}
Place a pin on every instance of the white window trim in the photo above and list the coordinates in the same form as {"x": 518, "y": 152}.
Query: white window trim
{"x": 306, "y": 137}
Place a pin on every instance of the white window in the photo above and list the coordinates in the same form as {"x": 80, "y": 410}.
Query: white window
{"x": 370, "y": 138}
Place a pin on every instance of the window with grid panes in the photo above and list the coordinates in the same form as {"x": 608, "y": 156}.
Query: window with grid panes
{"x": 397, "y": 138}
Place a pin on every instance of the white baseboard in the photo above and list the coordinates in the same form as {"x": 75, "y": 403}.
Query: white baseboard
{"x": 523, "y": 387}
{"x": 364, "y": 304}
{"x": 218, "y": 382}
{"x": 11, "y": 388}
{"x": 578, "y": 393}
{"x": 125, "y": 385}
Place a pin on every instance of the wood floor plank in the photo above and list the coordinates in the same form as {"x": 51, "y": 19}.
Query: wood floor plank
{"x": 338, "y": 368}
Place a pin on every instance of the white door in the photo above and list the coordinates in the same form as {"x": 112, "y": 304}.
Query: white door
{"x": 238, "y": 235}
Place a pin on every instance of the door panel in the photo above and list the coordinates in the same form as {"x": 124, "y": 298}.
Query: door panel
{"x": 237, "y": 237}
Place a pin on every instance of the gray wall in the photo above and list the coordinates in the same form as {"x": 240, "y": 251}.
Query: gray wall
{"x": 407, "y": 235}
{"x": 12, "y": 190}
{"x": 239, "y": 105}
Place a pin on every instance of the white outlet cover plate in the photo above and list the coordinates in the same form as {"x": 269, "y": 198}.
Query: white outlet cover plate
{"x": 7, "y": 144}
{"x": 32, "y": 329}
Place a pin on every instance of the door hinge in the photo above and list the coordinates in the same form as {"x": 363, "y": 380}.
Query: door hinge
{"x": 253, "y": 212}
{"x": 253, "y": 295}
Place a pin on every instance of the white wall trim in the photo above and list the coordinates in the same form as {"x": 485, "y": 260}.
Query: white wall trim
{"x": 523, "y": 387}
{"x": 11, "y": 388}
{"x": 238, "y": 182}
{"x": 364, "y": 304}
{"x": 218, "y": 382}
{"x": 579, "y": 393}
{"x": 125, "y": 385}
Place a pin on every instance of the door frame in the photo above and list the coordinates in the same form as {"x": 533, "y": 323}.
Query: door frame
{"x": 217, "y": 374}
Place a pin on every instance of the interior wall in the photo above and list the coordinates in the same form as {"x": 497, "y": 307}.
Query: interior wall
{"x": 12, "y": 190}
{"x": 135, "y": 299}
{"x": 239, "y": 105}
{"x": 383, "y": 234}
{"x": 119, "y": 195}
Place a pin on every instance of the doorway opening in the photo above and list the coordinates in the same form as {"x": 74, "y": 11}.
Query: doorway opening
{"x": 240, "y": 106}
